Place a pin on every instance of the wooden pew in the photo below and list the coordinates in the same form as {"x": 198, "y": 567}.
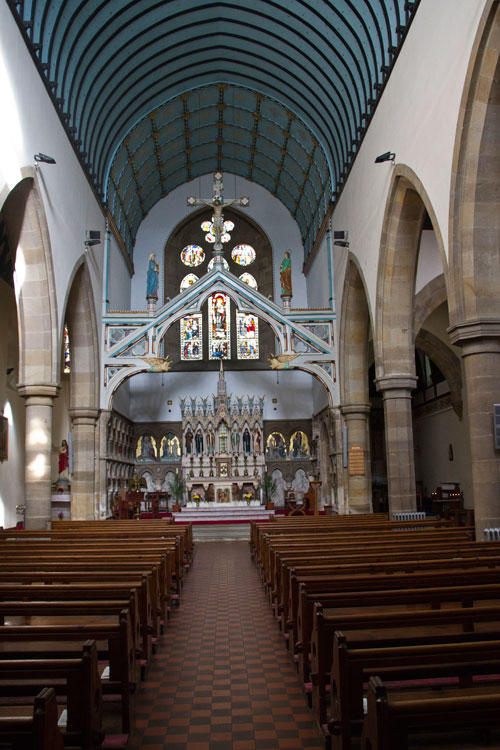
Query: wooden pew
{"x": 391, "y": 716}
{"x": 76, "y": 679}
{"x": 40, "y": 731}
{"x": 81, "y": 592}
{"x": 114, "y": 642}
{"x": 414, "y": 623}
{"x": 409, "y": 662}
{"x": 286, "y": 596}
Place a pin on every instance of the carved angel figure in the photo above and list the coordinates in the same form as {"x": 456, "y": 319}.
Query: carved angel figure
{"x": 158, "y": 364}
{"x": 281, "y": 361}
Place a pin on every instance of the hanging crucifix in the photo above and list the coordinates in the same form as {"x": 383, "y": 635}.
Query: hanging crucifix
{"x": 217, "y": 203}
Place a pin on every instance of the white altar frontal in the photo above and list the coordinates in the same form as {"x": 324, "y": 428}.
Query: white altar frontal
{"x": 223, "y": 458}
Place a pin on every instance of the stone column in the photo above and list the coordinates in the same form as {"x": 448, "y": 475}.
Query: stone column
{"x": 102, "y": 466}
{"x": 39, "y": 400}
{"x": 335, "y": 470}
{"x": 359, "y": 490}
{"x": 480, "y": 345}
{"x": 83, "y": 479}
{"x": 396, "y": 391}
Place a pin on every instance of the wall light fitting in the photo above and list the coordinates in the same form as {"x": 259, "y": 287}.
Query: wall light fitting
{"x": 388, "y": 156}
{"x": 44, "y": 158}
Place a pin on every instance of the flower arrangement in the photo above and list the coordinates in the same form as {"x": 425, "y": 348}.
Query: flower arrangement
{"x": 248, "y": 496}
{"x": 197, "y": 499}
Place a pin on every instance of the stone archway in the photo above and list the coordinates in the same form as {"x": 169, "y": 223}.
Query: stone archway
{"x": 26, "y": 223}
{"x": 84, "y": 394}
{"x": 355, "y": 407}
{"x": 395, "y": 330}
{"x": 475, "y": 258}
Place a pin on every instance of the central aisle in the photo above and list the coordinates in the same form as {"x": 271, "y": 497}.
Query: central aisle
{"x": 222, "y": 679}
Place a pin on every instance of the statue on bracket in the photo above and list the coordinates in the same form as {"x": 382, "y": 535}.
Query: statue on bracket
{"x": 246, "y": 441}
{"x": 286, "y": 275}
{"x": 199, "y": 442}
{"x": 152, "y": 278}
{"x": 235, "y": 439}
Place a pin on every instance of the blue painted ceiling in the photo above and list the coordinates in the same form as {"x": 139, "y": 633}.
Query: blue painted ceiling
{"x": 153, "y": 94}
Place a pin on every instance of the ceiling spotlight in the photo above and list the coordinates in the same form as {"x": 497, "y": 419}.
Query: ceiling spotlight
{"x": 244, "y": 201}
{"x": 191, "y": 201}
{"x": 341, "y": 243}
{"x": 388, "y": 156}
{"x": 44, "y": 158}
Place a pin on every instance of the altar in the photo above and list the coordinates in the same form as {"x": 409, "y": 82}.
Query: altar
{"x": 223, "y": 456}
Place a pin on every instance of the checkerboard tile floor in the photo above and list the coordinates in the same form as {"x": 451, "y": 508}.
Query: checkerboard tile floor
{"x": 222, "y": 679}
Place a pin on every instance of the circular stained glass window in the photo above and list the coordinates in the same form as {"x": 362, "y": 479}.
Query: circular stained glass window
{"x": 207, "y": 226}
{"x": 224, "y": 263}
{"x": 192, "y": 255}
{"x": 243, "y": 255}
{"x": 188, "y": 280}
{"x": 247, "y": 278}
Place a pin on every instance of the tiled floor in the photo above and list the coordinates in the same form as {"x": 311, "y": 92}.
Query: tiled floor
{"x": 221, "y": 679}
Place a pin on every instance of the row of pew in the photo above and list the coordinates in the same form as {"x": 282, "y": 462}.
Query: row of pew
{"x": 82, "y": 608}
{"x": 394, "y": 627}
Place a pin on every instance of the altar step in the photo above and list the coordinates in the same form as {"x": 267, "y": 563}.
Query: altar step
{"x": 221, "y": 532}
{"x": 221, "y": 514}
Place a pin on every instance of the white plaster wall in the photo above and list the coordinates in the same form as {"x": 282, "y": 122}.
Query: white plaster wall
{"x": 29, "y": 125}
{"x": 429, "y": 261}
{"x": 266, "y": 210}
{"x": 60, "y": 423}
{"x": 417, "y": 119}
{"x": 148, "y": 398}
{"x": 433, "y": 435}
{"x": 12, "y": 407}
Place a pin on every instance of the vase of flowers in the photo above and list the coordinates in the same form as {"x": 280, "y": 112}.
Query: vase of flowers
{"x": 248, "y": 496}
{"x": 197, "y": 499}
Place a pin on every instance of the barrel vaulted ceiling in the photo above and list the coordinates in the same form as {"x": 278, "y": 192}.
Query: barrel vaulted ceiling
{"x": 155, "y": 93}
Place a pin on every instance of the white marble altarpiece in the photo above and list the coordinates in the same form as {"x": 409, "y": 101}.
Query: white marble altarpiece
{"x": 223, "y": 452}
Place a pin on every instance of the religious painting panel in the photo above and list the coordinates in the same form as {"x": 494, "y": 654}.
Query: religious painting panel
{"x": 219, "y": 327}
{"x": 146, "y": 448}
{"x": 276, "y": 446}
{"x": 299, "y": 445}
{"x": 170, "y": 449}
{"x": 192, "y": 337}
{"x": 247, "y": 336}
{"x": 248, "y": 279}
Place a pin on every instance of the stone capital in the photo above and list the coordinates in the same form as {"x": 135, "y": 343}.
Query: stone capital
{"x": 397, "y": 385}
{"x": 84, "y": 416}
{"x": 40, "y": 393}
{"x": 476, "y": 336}
{"x": 354, "y": 411}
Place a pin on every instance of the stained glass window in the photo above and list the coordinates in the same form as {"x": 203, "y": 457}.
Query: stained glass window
{"x": 188, "y": 280}
{"x": 208, "y": 227}
{"x": 67, "y": 356}
{"x": 191, "y": 337}
{"x": 225, "y": 264}
{"x": 243, "y": 255}
{"x": 247, "y": 336}
{"x": 192, "y": 255}
{"x": 247, "y": 278}
{"x": 219, "y": 327}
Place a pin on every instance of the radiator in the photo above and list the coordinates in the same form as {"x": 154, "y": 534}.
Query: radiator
{"x": 409, "y": 516}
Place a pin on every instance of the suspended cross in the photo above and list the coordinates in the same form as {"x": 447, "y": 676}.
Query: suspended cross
{"x": 217, "y": 204}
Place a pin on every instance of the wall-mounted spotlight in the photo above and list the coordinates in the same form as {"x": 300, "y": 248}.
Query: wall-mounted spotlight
{"x": 44, "y": 159}
{"x": 388, "y": 156}
{"x": 341, "y": 243}
{"x": 92, "y": 237}
{"x": 340, "y": 234}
